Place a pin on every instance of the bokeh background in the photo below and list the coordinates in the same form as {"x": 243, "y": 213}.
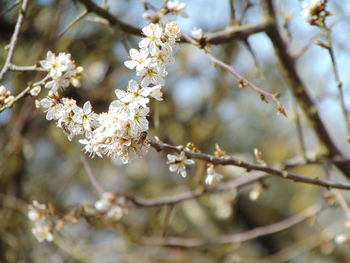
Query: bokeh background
{"x": 203, "y": 105}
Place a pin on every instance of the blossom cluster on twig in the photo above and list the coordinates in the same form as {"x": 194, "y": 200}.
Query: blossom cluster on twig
{"x": 39, "y": 215}
{"x": 119, "y": 131}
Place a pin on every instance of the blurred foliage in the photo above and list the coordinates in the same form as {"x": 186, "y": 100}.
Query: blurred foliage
{"x": 202, "y": 104}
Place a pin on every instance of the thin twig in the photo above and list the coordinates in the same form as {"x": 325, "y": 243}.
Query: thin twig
{"x": 229, "y": 160}
{"x": 234, "y": 238}
{"x": 342, "y": 202}
{"x": 232, "y": 12}
{"x": 302, "y": 96}
{"x": 14, "y": 38}
{"x": 184, "y": 196}
{"x": 295, "y": 163}
{"x": 74, "y": 22}
{"x": 338, "y": 195}
{"x": 339, "y": 83}
{"x": 299, "y": 130}
{"x": 23, "y": 93}
{"x": 263, "y": 94}
{"x": 91, "y": 175}
{"x": 25, "y": 68}
{"x": 222, "y": 36}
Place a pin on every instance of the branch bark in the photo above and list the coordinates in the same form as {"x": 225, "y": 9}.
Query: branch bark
{"x": 229, "y": 160}
{"x": 298, "y": 88}
{"x": 14, "y": 38}
{"x": 184, "y": 196}
{"x": 234, "y": 238}
{"x": 215, "y": 38}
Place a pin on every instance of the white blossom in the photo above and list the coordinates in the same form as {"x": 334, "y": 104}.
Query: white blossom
{"x": 212, "y": 176}
{"x": 5, "y": 95}
{"x": 342, "y": 239}
{"x": 115, "y": 213}
{"x": 35, "y": 210}
{"x": 153, "y": 33}
{"x": 54, "y": 108}
{"x": 35, "y": 91}
{"x": 172, "y": 33}
{"x": 310, "y": 6}
{"x": 84, "y": 116}
{"x": 177, "y": 163}
{"x": 152, "y": 75}
{"x": 197, "y": 33}
{"x": 139, "y": 59}
{"x": 177, "y": 7}
{"x": 37, "y": 213}
{"x": 106, "y": 201}
{"x": 58, "y": 66}
{"x": 42, "y": 232}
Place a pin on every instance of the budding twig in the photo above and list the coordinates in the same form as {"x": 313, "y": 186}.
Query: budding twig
{"x": 23, "y": 93}
{"x": 263, "y": 94}
{"x": 229, "y": 160}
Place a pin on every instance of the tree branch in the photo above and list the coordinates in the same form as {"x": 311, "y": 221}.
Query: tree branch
{"x": 184, "y": 196}
{"x": 23, "y": 93}
{"x": 234, "y": 238}
{"x": 14, "y": 38}
{"x": 299, "y": 91}
{"x": 229, "y": 160}
{"x": 222, "y": 36}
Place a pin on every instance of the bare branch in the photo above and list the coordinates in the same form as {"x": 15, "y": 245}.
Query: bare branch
{"x": 14, "y": 38}
{"x": 74, "y": 22}
{"x": 25, "y": 68}
{"x": 234, "y": 238}
{"x": 184, "y": 196}
{"x": 297, "y": 87}
{"x": 91, "y": 175}
{"x": 339, "y": 83}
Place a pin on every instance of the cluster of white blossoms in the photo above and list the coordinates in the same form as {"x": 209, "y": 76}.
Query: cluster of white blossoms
{"x": 62, "y": 71}
{"x": 5, "y": 96}
{"x": 111, "y": 207}
{"x": 176, "y": 7}
{"x": 38, "y": 214}
{"x": 177, "y": 163}
{"x": 120, "y": 132}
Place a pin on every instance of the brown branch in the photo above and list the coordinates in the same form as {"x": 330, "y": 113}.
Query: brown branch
{"x": 339, "y": 83}
{"x": 184, "y": 196}
{"x": 234, "y": 238}
{"x": 91, "y": 175}
{"x": 74, "y": 22}
{"x": 299, "y": 129}
{"x": 229, "y": 160}
{"x": 297, "y": 87}
{"x": 24, "y": 93}
{"x": 14, "y": 38}
{"x": 92, "y": 7}
{"x": 222, "y": 36}
{"x": 295, "y": 163}
{"x": 263, "y": 94}
{"x": 25, "y": 68}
